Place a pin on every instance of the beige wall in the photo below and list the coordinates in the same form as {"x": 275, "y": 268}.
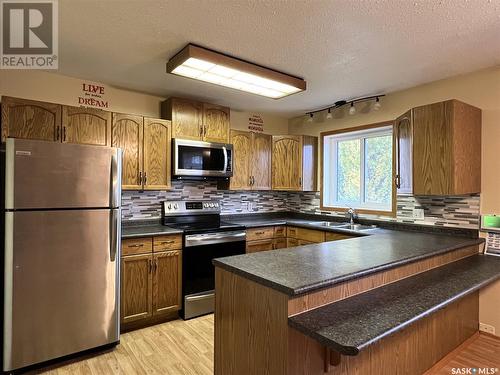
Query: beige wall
{"x": 50, "y": 87}
{"x": 481, "y": 89}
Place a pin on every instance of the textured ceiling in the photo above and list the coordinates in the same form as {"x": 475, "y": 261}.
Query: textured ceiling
{"x": 343, "y": 48}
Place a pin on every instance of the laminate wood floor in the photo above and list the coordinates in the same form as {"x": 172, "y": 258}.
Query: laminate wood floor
{"x": 173, "y": 348}
{"x": 481, "y": 351}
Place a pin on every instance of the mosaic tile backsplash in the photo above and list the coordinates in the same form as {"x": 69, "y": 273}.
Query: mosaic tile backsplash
{"x": 462, "y": 211}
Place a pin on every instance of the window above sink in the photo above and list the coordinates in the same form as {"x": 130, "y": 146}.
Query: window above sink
{"x": 358, "y": 169}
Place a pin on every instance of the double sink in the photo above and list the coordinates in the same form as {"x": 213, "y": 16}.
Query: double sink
{"x": 330, "y": 224}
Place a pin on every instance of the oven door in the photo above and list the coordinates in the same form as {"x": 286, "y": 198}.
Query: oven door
{"x": 201, "y": 159}
{"x": 198, "y": 272}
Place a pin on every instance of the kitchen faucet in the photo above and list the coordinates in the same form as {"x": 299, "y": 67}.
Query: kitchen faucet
{"x": 352, "y": 213}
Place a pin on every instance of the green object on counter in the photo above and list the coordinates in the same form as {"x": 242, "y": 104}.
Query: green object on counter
{"x": 491, "y": 222}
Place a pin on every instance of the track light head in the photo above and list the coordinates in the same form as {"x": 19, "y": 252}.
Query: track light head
{"x": 352, "y": 109}
{"x": 377, "y": 105}
{"x": 329, "y": 114}
{"x": 311, "y": 117}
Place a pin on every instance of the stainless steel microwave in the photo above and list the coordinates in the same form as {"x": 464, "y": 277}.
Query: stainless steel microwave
{"x": 201, "y": 159}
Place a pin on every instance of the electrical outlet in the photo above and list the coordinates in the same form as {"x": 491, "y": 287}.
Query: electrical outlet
{"x": 486, "y": 328}
{"x": 418, "y": 213}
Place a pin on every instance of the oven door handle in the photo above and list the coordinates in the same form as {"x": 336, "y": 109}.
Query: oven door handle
{"x": 206, "y": 239}
{"x": 224, "y": 150}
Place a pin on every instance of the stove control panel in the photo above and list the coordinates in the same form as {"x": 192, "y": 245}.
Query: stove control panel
{"x": 173, "y": 208}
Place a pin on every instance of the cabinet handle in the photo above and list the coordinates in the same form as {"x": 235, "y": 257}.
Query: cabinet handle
{"x": 253, "y": 180}
{"x": 136, "y": 245}
{"x": 204, "y": 131}
{"x": 201, "y": 131}
{"x": 64, "y": 133}
{"x": 150, "y": 261}
{"x": 155, "y": 265}
{"x": 300, "y": 181}
{"x": 58, "y": 133}
{"x": 145, "y": 178}
{"x": 140, "y": 178}
{"x": 259, "y": 232}
{"x": 167, "y": 242}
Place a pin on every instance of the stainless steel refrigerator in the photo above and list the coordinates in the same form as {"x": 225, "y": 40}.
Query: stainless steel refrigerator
{"x": 62, "y": 250}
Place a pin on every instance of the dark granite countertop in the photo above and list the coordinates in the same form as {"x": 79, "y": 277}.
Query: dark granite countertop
{"x": 352, "y": 324}
{"x": 146, "y": 228}
{"x": 306, "y": 268}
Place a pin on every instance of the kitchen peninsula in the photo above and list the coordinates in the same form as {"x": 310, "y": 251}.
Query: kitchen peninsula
{"x": 327, "y": 308}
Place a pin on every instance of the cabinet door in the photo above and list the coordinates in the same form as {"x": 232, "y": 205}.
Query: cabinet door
{"x": 89, "y": 126}
{"x": 292, "y": 242}
{"x": 216, "y": 123}
{"x": 167, "y": 282}
{"x": 127, "y": 133}
{"x": 136, "y": 287}
{"x": 261, "y": 161}
{"x": 403, "y": 136}
{"x": 157, "y": 137}
{"x": 287, "y": 162}
{"x": 432, "y": 150}
{"x": 280, "y": 243}
{"x": 187, "y": 119}
{"x": 30, "y": 119}
{"x": 242, "y": 155}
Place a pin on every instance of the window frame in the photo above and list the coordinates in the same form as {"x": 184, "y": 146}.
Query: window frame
{"x": 359, "y": 130}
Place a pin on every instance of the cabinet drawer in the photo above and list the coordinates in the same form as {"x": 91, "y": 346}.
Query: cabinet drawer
{"x": 280, "y": 243}
{"x": 306, "y": 234}
{"x": 292, "y": 242}
{"x": 260, "y": 233}
{"x": 261, "y": 245}
{"x": 280, "y": 231}
{"x": 330, "y": 236}
{"x": 171, "y": 242}
{"x": 133, "y": 246}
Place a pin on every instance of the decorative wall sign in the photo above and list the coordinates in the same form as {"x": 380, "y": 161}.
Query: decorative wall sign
{"x": 255, "y": 123}
{"x": 92, "y": 95}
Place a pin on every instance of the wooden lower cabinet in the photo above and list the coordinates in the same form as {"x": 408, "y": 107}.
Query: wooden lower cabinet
{"x": 309, "y": 235}
{"x": 260, "y": 245}
{"x": 166, "y": 282}
{"x": 150, "y": 278}
{"x": 136, "y": 287}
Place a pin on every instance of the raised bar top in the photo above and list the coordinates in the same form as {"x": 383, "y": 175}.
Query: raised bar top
{"x": 352, "y": 324}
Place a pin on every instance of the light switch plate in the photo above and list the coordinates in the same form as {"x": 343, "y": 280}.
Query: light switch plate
{"x": 418, "y": 213}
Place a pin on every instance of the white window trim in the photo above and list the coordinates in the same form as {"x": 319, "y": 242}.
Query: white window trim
{"x": 330, "y": 144}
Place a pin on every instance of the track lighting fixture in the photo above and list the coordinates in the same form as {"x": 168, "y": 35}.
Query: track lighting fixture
{"x": 352, "y": 109}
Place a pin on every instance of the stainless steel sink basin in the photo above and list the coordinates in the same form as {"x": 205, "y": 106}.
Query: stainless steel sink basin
{"x": 332, "y": 224}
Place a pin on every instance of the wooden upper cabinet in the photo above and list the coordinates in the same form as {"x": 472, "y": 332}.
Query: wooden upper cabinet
{"x": 127, "y": 133}
{"x": 186, "y": 116}
{"x": 89, "y": 126}
{"x": 446, "y": 149}
{"x": 403, "y": 140}
{"x": 197, "y": 121}
{"x": 157, "y": 146}
{"x": 136, "y": 287}
{"x": 216, "y": 123}
{"x": 261, "y": 161}
{"x": 167, "y": 282}
{"x": 242, "y": 156}
{"x": 287, "y": 162}
{"x": 294, "y": 162}
{"x": 30, "y": 119}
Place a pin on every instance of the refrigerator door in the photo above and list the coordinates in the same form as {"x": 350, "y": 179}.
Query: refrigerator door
{"x": 61, "y": 283}
{"x": 52, "y": 175}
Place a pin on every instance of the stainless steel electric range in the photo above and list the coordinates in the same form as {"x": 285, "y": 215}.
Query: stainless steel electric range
{"x": 205, "y": 237}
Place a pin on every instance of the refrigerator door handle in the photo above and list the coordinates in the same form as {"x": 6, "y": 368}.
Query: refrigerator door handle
{"x": 114, "y": 233}
{"x": 116, "y": 179}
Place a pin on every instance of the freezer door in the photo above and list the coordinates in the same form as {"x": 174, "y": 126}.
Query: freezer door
{"x": 50, "y": 175}
{"x": 61, "y": 283}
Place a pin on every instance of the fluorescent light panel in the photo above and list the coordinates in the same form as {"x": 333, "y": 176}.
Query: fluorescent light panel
{"x": 230, "y": 72}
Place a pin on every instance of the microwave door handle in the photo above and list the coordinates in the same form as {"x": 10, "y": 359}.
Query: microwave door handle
{"x": 225, "y": 159}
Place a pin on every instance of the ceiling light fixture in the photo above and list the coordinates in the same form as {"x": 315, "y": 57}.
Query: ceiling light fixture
{"x": 214, "y": 67}
{"x": 352, "y": 109}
